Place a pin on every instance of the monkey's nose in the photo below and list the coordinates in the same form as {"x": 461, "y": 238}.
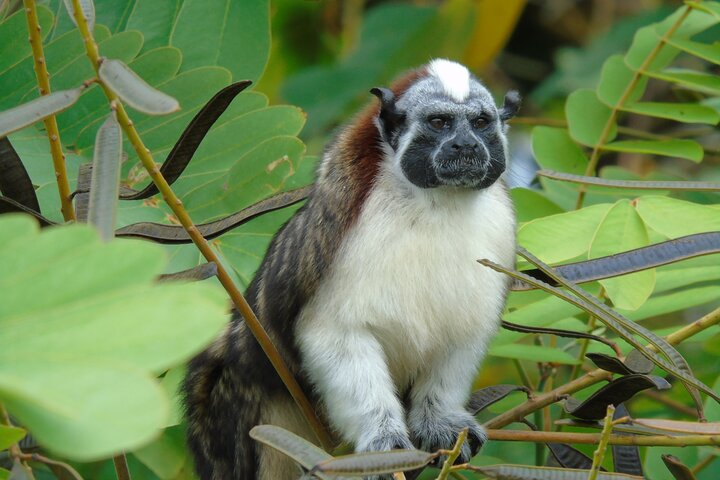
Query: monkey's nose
{"x": 466, "y": 148}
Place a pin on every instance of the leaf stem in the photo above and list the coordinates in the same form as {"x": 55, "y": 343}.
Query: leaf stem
{"x": 201, "y": 243}
{"x": 51, "y": 126}
{"x": 121, "y": 467}
{"x": 612, "y": 119}
{"x": 595, "y": 438}
{"x": 599, "y": 453}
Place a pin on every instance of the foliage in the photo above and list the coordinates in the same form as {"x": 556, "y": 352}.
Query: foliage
{"x": 88, "y": 328}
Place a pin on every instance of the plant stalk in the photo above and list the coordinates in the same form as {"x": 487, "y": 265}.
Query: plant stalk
{"x": 595, "y": 155}
{"x": 51, "y": 126}
{"x": 452, "y": 455}
{"x": 595, "y": 438}
{"x": 121, "y": 467}
{"x": 201, "y": 243}
{"x": 599, "y": 453}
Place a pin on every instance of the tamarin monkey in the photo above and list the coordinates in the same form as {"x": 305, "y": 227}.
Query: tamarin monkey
{"x": 371, "y": 291}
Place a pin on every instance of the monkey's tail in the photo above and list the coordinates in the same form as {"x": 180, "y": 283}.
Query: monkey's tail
{"x": 220, "y": 411}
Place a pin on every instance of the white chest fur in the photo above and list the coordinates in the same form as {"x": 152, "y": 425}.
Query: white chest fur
{"x": 407, "y": 274}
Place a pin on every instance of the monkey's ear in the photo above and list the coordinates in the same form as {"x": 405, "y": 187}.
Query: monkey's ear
{"x": 510, "y": 106}
{"x": 390, "y": 118}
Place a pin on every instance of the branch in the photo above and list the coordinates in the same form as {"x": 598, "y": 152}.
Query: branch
{"x": 594, "y": 438}
{"x": 200, "y": 242}
{"x": 50, "y": 122}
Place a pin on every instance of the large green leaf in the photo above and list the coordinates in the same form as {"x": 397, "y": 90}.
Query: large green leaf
{"x": 620, "y": 230}
{"x": 670, "y": 148}
{"x": 563, "y": 236}
{"x": 231, "y": 34}
{"x": 587, "y": 118}
{"x": 555, "y": 150}
{"x": 78, "y": 353}
{"x": 14, "y": 45}
{"x": 674, "y": 218}
{"x": 535, "y": 353}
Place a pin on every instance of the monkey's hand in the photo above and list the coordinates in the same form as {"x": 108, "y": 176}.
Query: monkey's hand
{"x": 440, "y": 431}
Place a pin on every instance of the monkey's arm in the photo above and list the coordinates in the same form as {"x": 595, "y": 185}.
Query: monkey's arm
{"x": 438, "y": 397}
{"x": 349, "y": 371}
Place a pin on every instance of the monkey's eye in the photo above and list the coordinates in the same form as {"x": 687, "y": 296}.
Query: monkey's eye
{"x": 480, "y": 123}
{"x": 439, "y": 123}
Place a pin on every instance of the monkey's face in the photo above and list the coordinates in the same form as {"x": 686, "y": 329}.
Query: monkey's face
{"x": 452, "y": 144}
{"x": 444, "y": 138}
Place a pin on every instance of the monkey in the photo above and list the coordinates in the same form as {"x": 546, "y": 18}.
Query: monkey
{"x": 371, "y": 291}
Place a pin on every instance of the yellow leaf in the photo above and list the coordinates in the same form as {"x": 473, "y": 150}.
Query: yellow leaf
{"x": 494, "y": 22}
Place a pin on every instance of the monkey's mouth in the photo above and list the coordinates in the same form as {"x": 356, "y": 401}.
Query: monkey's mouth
{"x": 468, "y": 172}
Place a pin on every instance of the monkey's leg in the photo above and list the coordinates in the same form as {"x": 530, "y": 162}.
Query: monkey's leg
{"x": 348, "y": 369}
{"x": 438, "y": 398}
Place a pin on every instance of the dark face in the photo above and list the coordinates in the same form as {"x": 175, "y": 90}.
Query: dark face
{"x": 441, "y": 141}
{"x": 460, "y": 147}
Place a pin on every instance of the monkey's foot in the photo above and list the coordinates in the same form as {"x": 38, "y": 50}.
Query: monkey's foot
{"x": 433, "y": 433}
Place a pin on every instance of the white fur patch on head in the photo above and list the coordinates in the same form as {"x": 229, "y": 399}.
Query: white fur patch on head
{"x": 455, "y": 78}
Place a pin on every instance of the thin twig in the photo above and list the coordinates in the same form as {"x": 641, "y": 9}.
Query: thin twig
{"x": 452, "y": 455}
{"x": 121, "y": 467}
{"x": 14, "y": 449}
{"x": 36, "y": 457}
{"x": 612, "y": 119}
{"x": 50, "y": 122}
{"x": 702, "y": 464}
{"x": 594, "y": 438}
{"x": 599, "y": 453}
{"x": 201, "y": 243}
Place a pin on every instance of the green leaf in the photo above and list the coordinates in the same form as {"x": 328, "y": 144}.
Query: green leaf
{"x": 587, "y": 118}
{"x": 25, "y": 115}
{"x": 680, "y": 148}
{"x": 674, "y": 302}
{"x": 88, "y": 11}
{"x": 575, "y": 228}
{"x": 210, "y": 32}
{"x": 675, "y": 218}
{"x": 10, "y": 436}
{"x": 622, "y": 229}
{"x": 644, "y": 42}
{"x": 711, "y": 53}
{"x": 534, "y": 353}
{"x": 615, "y": 78}
{"x": 531, "y": 204}
{"x": 105, "y": 186}
{"x": 555, "y": 150}
{"x": 166, "y": 455}
{"x": 134, "y": 91}
{"x": 14, "y": 45}
{"x": 690, "y": 79}
{"x": 4, "y": 474}
{"x": 78, "y": 356}
{"x": 680, "y": 112}
{"x": 82, "y": 410}
{"x": 155, "y": 20}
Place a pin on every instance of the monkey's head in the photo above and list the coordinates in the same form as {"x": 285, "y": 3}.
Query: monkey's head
{"x": 445, "y": 129}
